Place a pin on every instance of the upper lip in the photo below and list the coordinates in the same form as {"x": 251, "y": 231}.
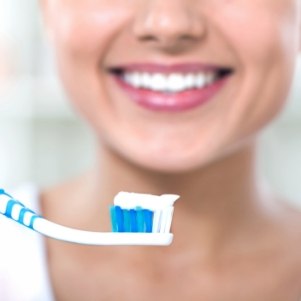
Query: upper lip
{"x": 167, "y": 69}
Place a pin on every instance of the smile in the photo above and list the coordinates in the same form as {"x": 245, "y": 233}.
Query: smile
{"x": 172, "y": 83}
{"x": 170, "y": 88}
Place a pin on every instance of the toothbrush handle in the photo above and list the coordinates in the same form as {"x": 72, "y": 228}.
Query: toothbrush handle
{"x": 17, "y": 211}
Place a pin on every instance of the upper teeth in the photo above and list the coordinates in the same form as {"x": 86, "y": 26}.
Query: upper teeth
{"x": 174, "y": 82}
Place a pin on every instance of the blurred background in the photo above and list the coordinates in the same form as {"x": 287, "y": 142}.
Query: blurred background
{"x": 42, "y": 139}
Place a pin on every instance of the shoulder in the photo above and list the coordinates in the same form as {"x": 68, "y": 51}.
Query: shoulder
{"x": 290, "y": 226}
{"x": 281, "y": 255}
{"x": 292, "y": 222}
{"x": 290, "y": 233}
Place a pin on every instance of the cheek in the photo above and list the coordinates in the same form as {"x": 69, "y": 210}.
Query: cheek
{"x": 84, "y": 33}
{"x": 263, "y": 37}
{"x": 262, "y": 32}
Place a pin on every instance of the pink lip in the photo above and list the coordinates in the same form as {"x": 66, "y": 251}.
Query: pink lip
{"x": 170, "y": 102}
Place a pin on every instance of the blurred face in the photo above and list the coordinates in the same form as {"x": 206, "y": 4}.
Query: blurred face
{"x": 173, "y": 85}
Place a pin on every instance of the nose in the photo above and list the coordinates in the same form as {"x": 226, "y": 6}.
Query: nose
{"x": 169, "y": 24}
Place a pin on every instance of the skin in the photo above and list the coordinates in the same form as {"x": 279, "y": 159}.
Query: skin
{"x": 233, "y": 239}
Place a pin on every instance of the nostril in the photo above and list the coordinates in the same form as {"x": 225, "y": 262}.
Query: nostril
{"x": 147, "y": 38}
{"x": 187, "y": 37}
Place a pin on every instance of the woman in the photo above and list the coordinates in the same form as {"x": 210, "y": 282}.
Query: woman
{"x": 176, "y": 92}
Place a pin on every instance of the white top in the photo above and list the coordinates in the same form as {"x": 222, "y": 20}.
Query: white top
{"x": 23, "y": 268}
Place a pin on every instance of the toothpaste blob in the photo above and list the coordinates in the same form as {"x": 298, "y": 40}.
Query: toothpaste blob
{"x": 146, "y": 213}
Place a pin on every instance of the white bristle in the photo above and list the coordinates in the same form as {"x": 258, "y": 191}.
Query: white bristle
{"x": 164, "y": 217}
{"x": 169, "y": 213}
{"x": 162, "y": 220}
{"x": 156, "y": 221}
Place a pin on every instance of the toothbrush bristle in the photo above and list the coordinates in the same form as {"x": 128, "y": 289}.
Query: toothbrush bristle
{"x": 142, "y": 213}
{"x": 131, "y": 220}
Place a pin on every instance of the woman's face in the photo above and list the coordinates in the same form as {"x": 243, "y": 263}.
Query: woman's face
{"x": 173, "y": 85}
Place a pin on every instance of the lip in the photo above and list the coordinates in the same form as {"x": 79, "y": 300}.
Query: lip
{"x": 170, "y": 102}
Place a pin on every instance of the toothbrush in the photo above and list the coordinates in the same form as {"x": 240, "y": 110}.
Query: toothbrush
{"x": 137, "y": 219}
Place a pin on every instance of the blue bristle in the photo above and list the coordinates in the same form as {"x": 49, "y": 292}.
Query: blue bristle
{"x": 119, "y": 219}
{"x": 113, "y": 219}
{"x": 140, "y": 219}
{"x": 127, "y": 220}
{"x": 133, "y": 220}
{"x": 148, "y": 219}
{"x": 133, "y": 217}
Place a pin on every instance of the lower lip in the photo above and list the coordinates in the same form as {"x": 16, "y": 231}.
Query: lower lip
{"x": 175, "y": 102}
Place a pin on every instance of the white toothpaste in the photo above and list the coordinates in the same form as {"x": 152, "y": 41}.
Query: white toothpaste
{"x": 129, "y": 200}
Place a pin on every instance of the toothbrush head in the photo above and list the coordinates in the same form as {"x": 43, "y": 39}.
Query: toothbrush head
{"x": 142, "y": 213}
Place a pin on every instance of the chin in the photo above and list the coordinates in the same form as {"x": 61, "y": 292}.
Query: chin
{"x": 162, "y": 163}
{"x": 182, "y": 161}
{"x": 163, "y": 167}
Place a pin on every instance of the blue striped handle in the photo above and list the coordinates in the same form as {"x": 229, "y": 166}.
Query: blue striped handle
{"x": 15, "y": 210}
